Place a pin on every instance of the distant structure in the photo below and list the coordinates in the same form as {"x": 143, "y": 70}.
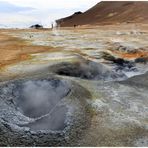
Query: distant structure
{"x": 52, "y": 25}
{"x": 36, "y": 26}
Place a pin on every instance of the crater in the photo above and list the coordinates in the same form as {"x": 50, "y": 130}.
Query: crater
{"x": 54, "y": 121}
{"x": 42, "y": 111}
{"x": 86, "y": 70}
{"x": 41, "y": 100}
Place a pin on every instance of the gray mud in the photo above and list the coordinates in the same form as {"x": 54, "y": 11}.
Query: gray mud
{"x": 42, "y": 112}
{"x": 87, "y": 70}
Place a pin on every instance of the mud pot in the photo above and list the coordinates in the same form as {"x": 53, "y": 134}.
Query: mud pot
{"x": 42, "y": 108}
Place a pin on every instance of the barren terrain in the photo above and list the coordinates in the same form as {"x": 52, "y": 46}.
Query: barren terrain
{"x": 74, "y": 87}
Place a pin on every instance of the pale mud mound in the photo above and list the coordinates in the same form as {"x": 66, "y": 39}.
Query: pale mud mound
{"x": 140, "y": 81}
{"x": 42, "y": 112}
{"x": 121, "y": 113}
{"x": 86, "y": 70}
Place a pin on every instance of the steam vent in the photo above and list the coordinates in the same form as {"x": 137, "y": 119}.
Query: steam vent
{"x": 41, "y": 112}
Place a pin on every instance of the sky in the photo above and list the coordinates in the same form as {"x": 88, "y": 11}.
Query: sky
{"x": 24, "y": 13}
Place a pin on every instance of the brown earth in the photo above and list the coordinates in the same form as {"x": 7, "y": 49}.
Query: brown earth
{"x": 109, "y": 12}
{"x": 13, "y": 49}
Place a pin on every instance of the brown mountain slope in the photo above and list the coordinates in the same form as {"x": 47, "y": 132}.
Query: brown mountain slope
{"x": 109, "y": 12}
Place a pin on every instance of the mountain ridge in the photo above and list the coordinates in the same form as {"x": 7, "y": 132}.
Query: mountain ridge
{"x": 109, "y": 12}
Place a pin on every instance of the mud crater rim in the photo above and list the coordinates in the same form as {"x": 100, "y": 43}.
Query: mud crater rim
{"x": 41, "y": 101}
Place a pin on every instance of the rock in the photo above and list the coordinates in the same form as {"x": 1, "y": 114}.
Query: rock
{"x": 141, "y": 60}
{"x": 77, "y": 13}
{"x": 36, "y": 26}
{"x": 121, "y": 64}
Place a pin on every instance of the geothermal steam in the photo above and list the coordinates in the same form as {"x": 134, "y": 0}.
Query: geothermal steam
{"x": 86, "y": 70}
{"x": 41, "y": 100}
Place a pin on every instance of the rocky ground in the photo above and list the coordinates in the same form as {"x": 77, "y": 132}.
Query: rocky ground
{"x": 81, "y": 87}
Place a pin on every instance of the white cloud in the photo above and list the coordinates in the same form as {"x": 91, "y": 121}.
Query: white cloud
{"x": 47, "y": 4}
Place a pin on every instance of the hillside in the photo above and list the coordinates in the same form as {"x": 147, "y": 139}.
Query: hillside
{"x": 109, "y": 12}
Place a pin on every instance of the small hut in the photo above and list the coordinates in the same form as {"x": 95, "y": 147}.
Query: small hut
{"x": 36, "y": 26}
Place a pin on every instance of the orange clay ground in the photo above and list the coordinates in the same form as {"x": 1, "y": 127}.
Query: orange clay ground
{"x": 13, "y": 49}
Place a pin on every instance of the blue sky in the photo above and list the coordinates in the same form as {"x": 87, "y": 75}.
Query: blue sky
{"x": 23, "y": 13}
